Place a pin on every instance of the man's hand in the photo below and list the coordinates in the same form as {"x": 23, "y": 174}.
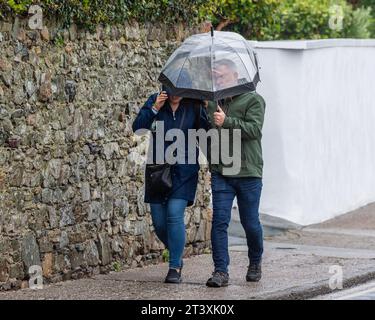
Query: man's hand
{"x": 219, "y": 117}
{"x": 160, "y": 100}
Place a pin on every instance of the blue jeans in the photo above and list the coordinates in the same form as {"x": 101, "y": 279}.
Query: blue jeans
{"x": 248, "y": 191}
{"x": 168, "y": 221}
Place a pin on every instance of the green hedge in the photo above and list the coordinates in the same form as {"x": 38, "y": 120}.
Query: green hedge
{"x": 310, "y": 19}
{"x": 256, "y": 19}
{"x": 370, "y": 4}
{"x": 89, "y": 13}
{"x": 292, "y": 19}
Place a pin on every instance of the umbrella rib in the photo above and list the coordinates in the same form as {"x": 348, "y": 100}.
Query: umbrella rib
{"x": 179, "y": 74}
{"x": 211, "y": 69}
{"x": 229, "y": 45}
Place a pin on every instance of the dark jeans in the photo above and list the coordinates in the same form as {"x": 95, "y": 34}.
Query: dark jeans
{"x": 168, "y": 221}
{"x": 248, "y": 191}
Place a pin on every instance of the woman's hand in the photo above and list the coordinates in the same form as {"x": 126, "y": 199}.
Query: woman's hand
{"x": 160, "y": 100}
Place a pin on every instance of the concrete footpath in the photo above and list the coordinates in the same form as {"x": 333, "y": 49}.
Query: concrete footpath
{"x": 296, "y": 265}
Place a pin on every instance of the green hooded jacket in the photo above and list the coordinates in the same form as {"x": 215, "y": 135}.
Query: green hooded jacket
{"x": 244, "y": 112}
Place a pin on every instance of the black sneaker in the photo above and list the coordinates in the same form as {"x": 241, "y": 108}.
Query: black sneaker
{"x": 254, "y": 272}
{"x": 218, "y": 279}
{"x": 173, "y": 276}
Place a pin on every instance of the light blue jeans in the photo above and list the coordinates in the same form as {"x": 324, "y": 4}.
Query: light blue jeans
{"x": 168, "y": 220}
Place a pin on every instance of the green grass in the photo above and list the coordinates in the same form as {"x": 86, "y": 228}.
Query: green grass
{"x": 116, "y": 266}
{"x": 165, "y": 255}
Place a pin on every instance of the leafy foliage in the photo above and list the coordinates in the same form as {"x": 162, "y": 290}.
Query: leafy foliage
{"x": 290, "y": 19}
{"x": 255, "y": 19}
{"x": 370, "y": 4}
{"x": 310, "y": 19}
{"x": 362, "y": 23}
{"x": 165, "y": 255}
{"x": 89, "y": 13}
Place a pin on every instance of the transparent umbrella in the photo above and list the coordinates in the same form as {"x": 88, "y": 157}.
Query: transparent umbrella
{"x": 211, "y": 66}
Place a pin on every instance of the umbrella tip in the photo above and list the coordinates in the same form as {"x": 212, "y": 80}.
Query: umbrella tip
{"x": 212, "y": 31}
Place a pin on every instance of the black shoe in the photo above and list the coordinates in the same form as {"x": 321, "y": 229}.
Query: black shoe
{"x": 254, "y": 273}
{"x": 218, "y": 279}
{"x": 173, "y": 276}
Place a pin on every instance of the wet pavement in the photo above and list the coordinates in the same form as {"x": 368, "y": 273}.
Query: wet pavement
{"x": 362, "y": 292}
{"x": 288, "y": 273}
{"x": 297, "y": 264}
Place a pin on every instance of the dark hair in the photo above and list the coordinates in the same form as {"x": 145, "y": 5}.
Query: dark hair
{"x": 166, "y": 89}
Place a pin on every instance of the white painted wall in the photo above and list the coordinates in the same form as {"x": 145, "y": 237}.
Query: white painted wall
{"x": 319, "y": 131}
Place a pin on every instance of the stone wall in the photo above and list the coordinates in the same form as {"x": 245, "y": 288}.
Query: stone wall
{"x": 71, "y": 179}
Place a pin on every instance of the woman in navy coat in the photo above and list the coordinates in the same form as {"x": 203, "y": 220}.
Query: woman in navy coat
{"x": 168, "y": 211}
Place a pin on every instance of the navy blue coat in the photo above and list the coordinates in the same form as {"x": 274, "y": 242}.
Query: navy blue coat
{"x": 184, "y": 176}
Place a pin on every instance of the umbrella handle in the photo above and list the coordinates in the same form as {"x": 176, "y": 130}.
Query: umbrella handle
{"x": 220, "y": 105}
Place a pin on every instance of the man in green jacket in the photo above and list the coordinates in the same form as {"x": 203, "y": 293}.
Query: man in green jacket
{"x": 244, "y": 112}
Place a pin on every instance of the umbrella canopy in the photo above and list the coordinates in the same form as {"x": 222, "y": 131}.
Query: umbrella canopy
{"x": 211, "y": 66}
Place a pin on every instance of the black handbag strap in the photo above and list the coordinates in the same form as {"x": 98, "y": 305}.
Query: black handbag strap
{"x": 183, "y": 117}
{"x": 198, "y": 110}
